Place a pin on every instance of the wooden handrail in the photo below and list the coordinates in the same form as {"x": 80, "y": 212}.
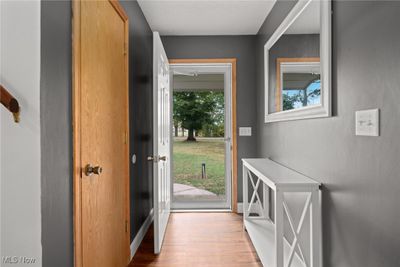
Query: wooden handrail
{"x": 9, "y": 102}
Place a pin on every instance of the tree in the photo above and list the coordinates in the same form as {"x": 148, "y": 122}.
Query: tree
{"x": 176, "y": 126}
{"x": 193, "y": 110}
{"x": 216, "y": 128}
{"x": 302, "y": 96}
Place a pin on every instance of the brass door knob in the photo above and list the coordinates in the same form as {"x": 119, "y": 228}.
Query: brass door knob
{"x": 163, "y": 158}
{"x": 89, "y": 170}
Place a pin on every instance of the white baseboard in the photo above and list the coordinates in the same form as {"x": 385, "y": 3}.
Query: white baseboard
{"x": 142, "y": 232}
{"x": 255, "y": 208}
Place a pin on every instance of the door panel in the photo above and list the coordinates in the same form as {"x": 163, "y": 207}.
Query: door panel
{"x": 162, "y": 155}
{"x": 104, "y": 121}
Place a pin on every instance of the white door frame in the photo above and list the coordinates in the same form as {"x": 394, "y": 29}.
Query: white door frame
{"x": 210, "y": 68}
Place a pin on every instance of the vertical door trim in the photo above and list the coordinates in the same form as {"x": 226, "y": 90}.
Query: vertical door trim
{"x": 231, "y": 61}
{"x": 76, "y": 128}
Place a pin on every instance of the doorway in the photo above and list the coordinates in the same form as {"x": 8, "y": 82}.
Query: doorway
{"x": 204, "y": 139}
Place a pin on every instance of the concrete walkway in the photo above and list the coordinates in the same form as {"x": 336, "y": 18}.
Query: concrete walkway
{"x": 184, "y": 190}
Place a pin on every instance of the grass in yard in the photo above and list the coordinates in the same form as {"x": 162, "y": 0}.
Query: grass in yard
{"x": 188, "y": 157}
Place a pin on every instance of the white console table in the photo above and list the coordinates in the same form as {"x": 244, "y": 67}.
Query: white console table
{"x": 267, "y": 235}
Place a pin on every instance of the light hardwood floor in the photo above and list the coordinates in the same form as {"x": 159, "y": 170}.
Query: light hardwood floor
{"x": 200, "y": 239}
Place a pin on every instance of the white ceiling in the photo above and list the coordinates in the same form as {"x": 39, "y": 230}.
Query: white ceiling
{"x": 205, "y": 17}
{"x": 308, "y": 22}
{"x": 199, "y": 82}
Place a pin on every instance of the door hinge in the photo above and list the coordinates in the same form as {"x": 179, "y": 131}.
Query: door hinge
{"x": 125, "y": 137}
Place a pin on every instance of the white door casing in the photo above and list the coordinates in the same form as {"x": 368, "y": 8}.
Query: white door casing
{"x": 161, "y": 147}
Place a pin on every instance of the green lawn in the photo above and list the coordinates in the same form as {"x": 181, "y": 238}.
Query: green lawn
{"x": 188, "y": 157}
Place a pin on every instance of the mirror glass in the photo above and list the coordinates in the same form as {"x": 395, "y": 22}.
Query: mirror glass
{"x": 294, "y": 64}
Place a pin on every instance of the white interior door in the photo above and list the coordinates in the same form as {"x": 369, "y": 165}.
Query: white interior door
{"x": 162, "y": 153}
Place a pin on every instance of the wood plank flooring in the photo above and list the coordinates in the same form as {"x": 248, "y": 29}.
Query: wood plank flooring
{"x": 200, "y": 239}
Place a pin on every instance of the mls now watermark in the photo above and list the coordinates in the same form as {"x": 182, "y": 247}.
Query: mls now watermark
{"x": 18, "y": 260}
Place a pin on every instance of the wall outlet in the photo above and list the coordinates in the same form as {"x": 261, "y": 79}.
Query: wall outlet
{"x": 367, "y": 122}
{"x": 244, "y": 131}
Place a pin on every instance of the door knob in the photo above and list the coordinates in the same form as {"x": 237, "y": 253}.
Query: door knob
{"x": 156, "y": 158}
{"x": 89, "y": 170}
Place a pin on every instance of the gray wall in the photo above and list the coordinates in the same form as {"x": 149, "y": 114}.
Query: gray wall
{"x": 56, "y": 132}
{"x": 242, "y": 48}
{"x": 141, "y": 114}
{"x": 360, "y": 175}
{"x": 55, "y": 111}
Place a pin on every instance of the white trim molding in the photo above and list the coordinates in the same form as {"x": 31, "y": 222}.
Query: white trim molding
{"x": 323, "y": 109}
{"x": 141, "y": 233}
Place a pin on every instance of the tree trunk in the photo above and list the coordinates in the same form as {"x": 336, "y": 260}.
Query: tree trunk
{"x": 305, "y": 100}
{"x": 191, "y": 135}
{"x": 176, "y": 130}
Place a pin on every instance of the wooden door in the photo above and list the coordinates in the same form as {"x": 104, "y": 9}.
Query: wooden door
{"x": 162, "y": 133}
{"x": 101, "y": 145}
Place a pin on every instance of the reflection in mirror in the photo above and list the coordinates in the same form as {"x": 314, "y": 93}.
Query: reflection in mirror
{"x": 294, "y": 64}
{"x": 298, "y": 83}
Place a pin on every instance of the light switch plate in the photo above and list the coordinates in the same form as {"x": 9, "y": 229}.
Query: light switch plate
{"x": 244, "y": 131}
{"x": 367, "y": 122}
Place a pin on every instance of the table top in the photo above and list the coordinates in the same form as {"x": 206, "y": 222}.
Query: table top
{"x": 276, "y": 175}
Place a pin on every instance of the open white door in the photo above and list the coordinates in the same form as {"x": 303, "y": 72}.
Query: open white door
{"x": 162, "y": 153}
